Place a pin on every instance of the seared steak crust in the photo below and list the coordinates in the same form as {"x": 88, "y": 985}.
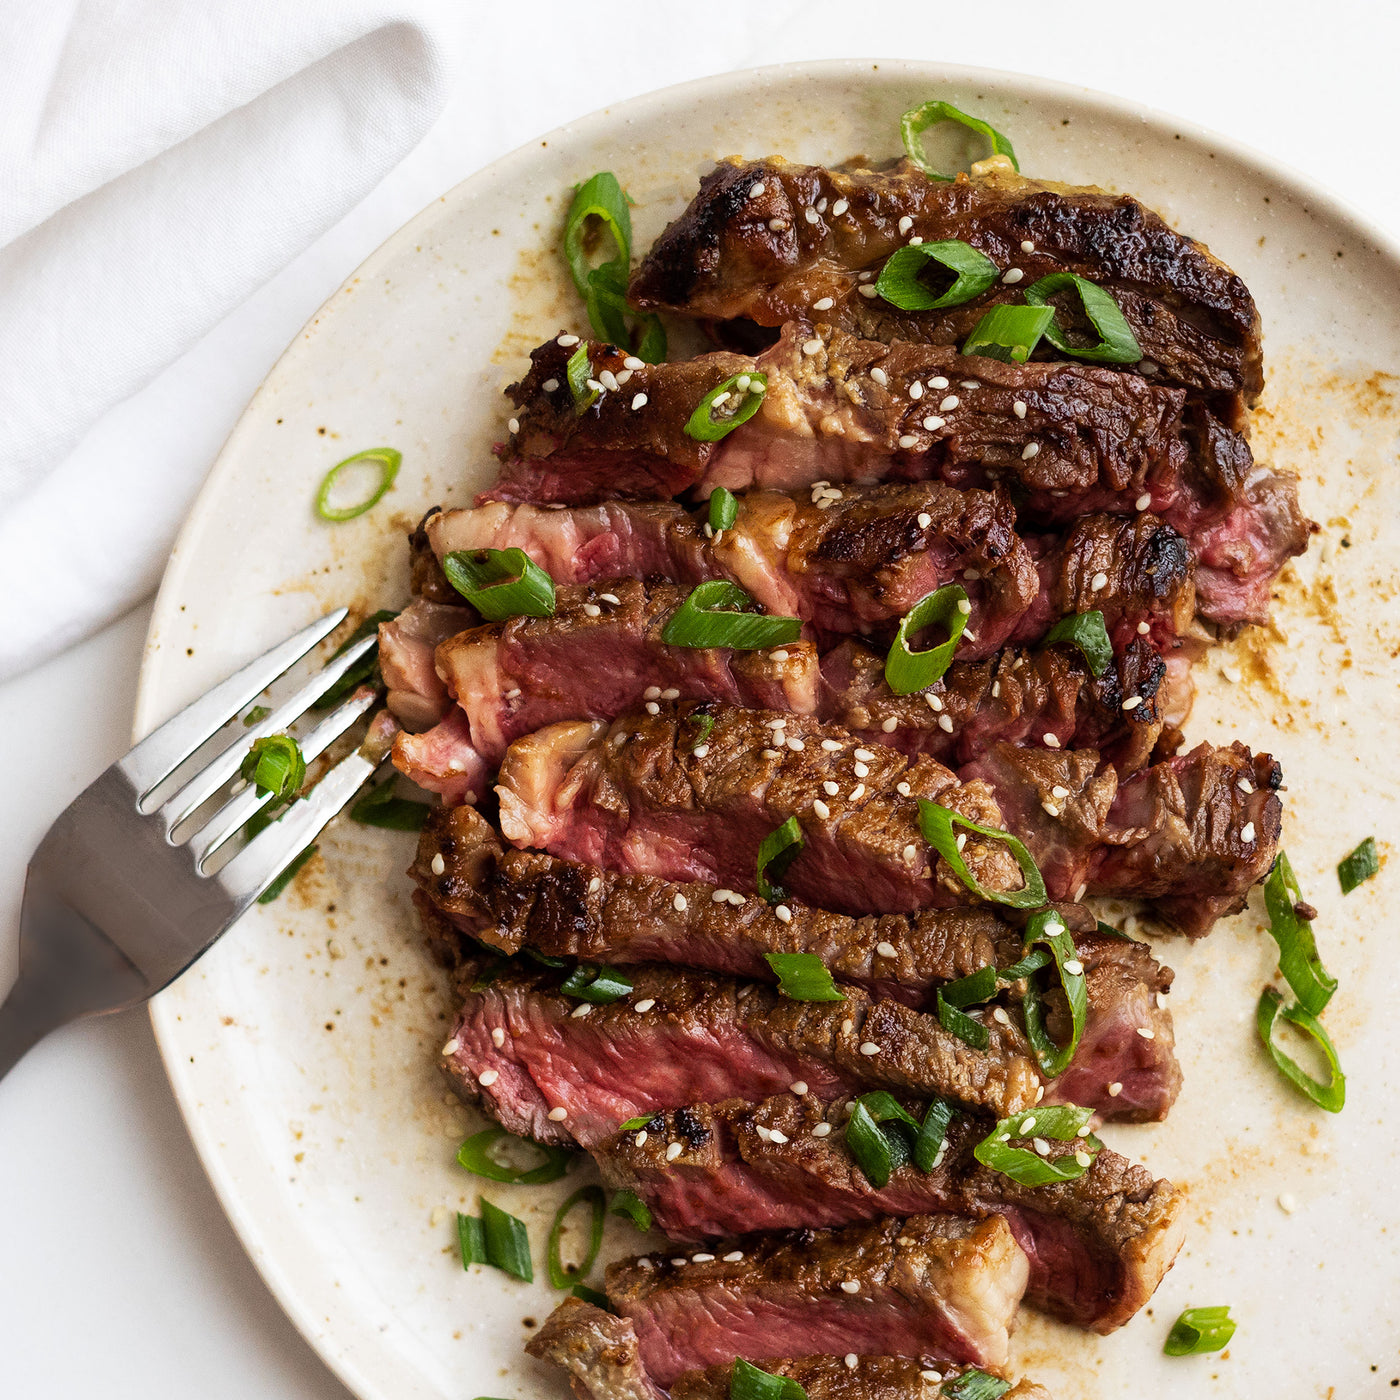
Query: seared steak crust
{"x": 834, "y": 1378}
{"x": 700, "y": 1038}
{"x": 929, "y": 1285}
{"x": 733, "y": 254}
{"x": 1098, "y": 1245}
{"x": 599, "y": 1351}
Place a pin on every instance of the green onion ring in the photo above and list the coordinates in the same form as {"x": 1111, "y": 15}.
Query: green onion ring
{"x": 1117, "y": 343}
{"x": 1087, "y": 632}
{"x": 475, "y": 1155}
{"x": 275, "y": 766}
{"x": 1049, "y": 929}
{"x": 804, "y": 977}
{"x": 937, "y": 825}
{"x": 724, "y": 509}
{"x": 1009, "y": 333}
{"x": 899, "y": 280}
{"x": 592, "y": 1196}
{"x": 776, "y": 853}
{"x": 577, "y": 372}
{"x": 907, "y": 671}
{"x": 500, "y": 583}
{"x": 713, "y": 616}
{"x": 631, "y": 1205}
{"x": 1200, "y": 1330}
{"x": 1298, "y": 958}
{"x": 598, "y": 985}
{"x": 387, "y": 459}
{"x": 507, "y": 1242}
{"x": 974, "y": 1385}
{"x": 1060, "y": 1122}
{"x": 747, "y": 1382}
{"x": 1331, "y": 1096}
{"x": 1359, "y": 866}
{"x": 916, "y": 121}
{"x": 957, "y": 1022}
{"x": 703, "y": 426}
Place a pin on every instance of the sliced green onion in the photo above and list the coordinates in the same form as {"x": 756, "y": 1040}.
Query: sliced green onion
{"x": 1062, "y": 1122}
{"x": 578, "y": 371}
{"x": 1032, "y": 962}
{"x": 1117, "y": 343}
{"x": 737, "y": 406}
{"x": 878, "y": 1151}
{"x": 379, "y": 807}
{"x": 560, "y": 1274}
{"x": 599, "y": 985}
{"x": 605, "y": 300}
{"x": 1087, "y": 632}
{"x": 803, "y": 977}
{"x": 933, "y": 1132}
{"x": 972, "y": 990}
{"x": 1108, "y": 931}
{"x": 600, "y": 198}
{"x": 287, "y": 876}
{"x": 776, "y": 854}
{"x": 476, "y": 1156}
{"x": 500, "y": 583}
{"x": 1200, "y": 1330}
{"x": 1333, "y": 1095}
{"x": 747, "y": 1382}
{"x": 1009, "y": 333}
{"x": 275, "y": 766}
{"x": 631, "y": 1205}
{"x": 471, "y": 1240}
{"x": 489, "y": 973}
{"x": 907, "y": 671}
{"x": 256, "y": 716}
{"x": 974, "y": 1385}
{"x": 544, "y": 959}
{"x": 703, "y": 724}
{"x": 365, "y": 669}
{"x": 1359, "y": 866}
{"x": 724, "y": 509}
{"x": 1049, "y": 929}
{"x": 652, "y": 346}
{"x": 960, "y": 1024}
{"x": 1298, "y": 959}
{"x": 507, "y": 1242}
{"x": 937, "y": 825}
{"x": 714, "y": 616}
{"x": 642, "y": 1120}
{"x": 385, "y": 458}
{"x": 900, "y": 284}
{"x": 915, "y": 122}
{"x": 592, "y": 1295}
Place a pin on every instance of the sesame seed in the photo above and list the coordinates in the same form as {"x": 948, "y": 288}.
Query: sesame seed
{"x": 864, "y": 756}
{"x": 673, "y": 1150}
{"x": 1144, "y": 628}
{"x": 1000, "y": 1017}
{"x": 769, "y": 753}
{"x": 964, "y": 607}
{"x": 595, "y": 384}
{"x": 1027, "y": 246}
{"x": 623, "y": 375}
{"x": 911, "y": 850}
{"x": 742, "y": 383}
{"x": 938, "y": 382}
{"x": 513, "y": 424}
{"x": 798, "y": 1087}
{"x": 821, "y": 809}
{"x": 1041, "y": 1146}
{"x": 948, "y": 404}
{"x": 498, "y": 1037}
{"x": 830, "y": 788}
{"x": 867, "y": 292}
{"x": 1083, "y": 1158}
{"x": 734, "y": 1256}
{"x": 641, "y": 1141}
{"x": 581, "y": 1010}
{"x": 779, "y": 723}
{"x": 1031, "y": 449}
{"x": 488, "y": 1077}
{"x": 996, "y": 689}
{"x": 1144, "y": 500}
{"x": 611, "y": 598}
{"x": 1012, "y": 275}
{"x": 1058, "y": 791}
{"x": 1147, "y": 1033}
{"x": 595, "y": 884}
{"x": 1132, "y": 702}
{"x": 850, "y": 1286}
{"x": 839, "y": 208}
{"x": 720, "y": 896}
{"x": 550, "y": 385}
{"x": 1074, "y": 966}
{"x": 916, "y": 390}
{"x": 945, "y": 723}
{"x": 810, "y": 214}
{"x": 907, "y": 440}
{"x": 701, "y": 1258}
{"x": 779, "y": 1136}
{"x": 1247, "y": 832}
{"x": 796, "y": 745}
{"x": 879, "y": 376}
{"x": 934, "y": 1376}
{"x": 644, "y": 1005}
{"x": 861, "y": 770}
{"x": 890, "y": 725}
{"x": 607, "y": 379}
{"x": 933, "y": 422}
{"x": 970, "y": 383}
{"x": 592, "y": 610}
{"x": 721, "y": 399}
{"x": 868, "y": 1047}
{"x": 439, "y": 865}
{"x": 905, "y": 224}
{"x": 1233, "y": 674}
{"x": 903, "y": 789}
{"x": 638, "y": 401}
{"x": 1050, "y": 807}
{"x": 558, "y": 1115}
{"x": 1287, "y": 1203}
{"x": 1084, "y": 1129}
{"x": 1115, "y": 1089}
{"x": 925, "y": 520}
{"x": 652, "y": 708}
{"x": 452, "y": 1047}
{"x": 858, "y": 792}
{"x": 1051, "y": 742}
{"x": 777, "y": 225}
{"x": 670, "y": 693}
{"x": 1019, "y": 408}
{"x": 852, "y": 1360}
{"x": 779, "y": 655}
{"x": 935, "y": 703}
{"x": 813, "y": 346}
{"x": 679, "y": 903}
{"x": 1100, "y": 580}
{"x": 822, "y": 1130}
{"x": 756, "y": 190}
{"x": 1245, "y": 785}
{"x": 567, "y": 340}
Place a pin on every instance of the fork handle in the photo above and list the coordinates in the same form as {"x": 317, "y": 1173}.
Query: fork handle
{"x": 21, "y": 1027}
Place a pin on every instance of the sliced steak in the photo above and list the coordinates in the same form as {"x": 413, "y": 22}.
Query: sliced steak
{"x": 1017, "y": 696}
{"x": 684, "y": 1037}
{"x": 843, "y": 562}
{"x": 599, "y": 1351}
{"x": 1098, "y": 1245}
{"x": 833, "y": 1377}
{"x": 931, "y": 1285}
{"x": 736, "y": 254}
{"x": 1192, "y": 833}
{"x": 599, "y": 655}
{"x": 513, "y": 900}
{"x": 417, "y": 695}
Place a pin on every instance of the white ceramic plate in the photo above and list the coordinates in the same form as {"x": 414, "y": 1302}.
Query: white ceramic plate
{"x": 302, "y": 1049}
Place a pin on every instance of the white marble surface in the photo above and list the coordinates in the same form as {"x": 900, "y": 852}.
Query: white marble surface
{"x": 118, "y": 1275}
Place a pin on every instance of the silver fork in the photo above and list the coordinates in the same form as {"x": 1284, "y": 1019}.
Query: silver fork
{"x": 120, "y": 897}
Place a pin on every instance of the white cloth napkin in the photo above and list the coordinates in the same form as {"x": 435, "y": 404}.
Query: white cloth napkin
{"x": 159, "y": 160}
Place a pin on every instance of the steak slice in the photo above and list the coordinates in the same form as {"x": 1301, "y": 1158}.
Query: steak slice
{"x": 762, "y": 257}
{"x": 513, "y": 900}
{"x": 600, "y": 1352}
{"x": 834, "y": 1378}
{"x": 1098, "y": 1245}
{"x": 599, "y": 655}
{"x": 1192, "y": 833}
{"x": 843, "y": 562}
{"x": 684, "y": 1037}
{"x": 417, "y": 695}
{"x": 1017, "y": 696}
{"x": 931, "y": 1285}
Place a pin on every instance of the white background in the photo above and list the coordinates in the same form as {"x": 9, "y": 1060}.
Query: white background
{"x": 118, "y": 1275}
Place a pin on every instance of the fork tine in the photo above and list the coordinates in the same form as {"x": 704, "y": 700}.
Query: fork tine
{"x": 224, "y": 767}
{"x": 259, "y": 863}
{"x": 162, "y": 751}
{"x": 231, "y": 817}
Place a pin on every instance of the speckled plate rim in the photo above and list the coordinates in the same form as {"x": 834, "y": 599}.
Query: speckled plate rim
{"x": 241, "y": 1211}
